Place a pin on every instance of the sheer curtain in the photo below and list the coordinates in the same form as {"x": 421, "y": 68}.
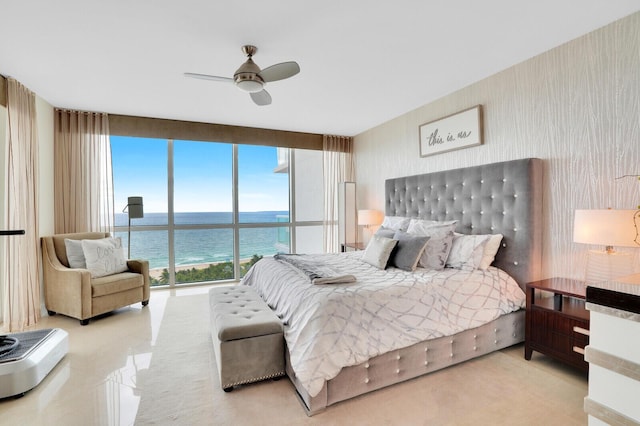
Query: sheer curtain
{"x": 21, "y": 260}
{"x": 83, "y": 174}
{"x": 338, "y": 166}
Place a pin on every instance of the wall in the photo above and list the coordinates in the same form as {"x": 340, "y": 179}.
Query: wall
{"x": 45, "y": 116}
{"x": 576, "y": 106}
{"x": 45, "y": 179}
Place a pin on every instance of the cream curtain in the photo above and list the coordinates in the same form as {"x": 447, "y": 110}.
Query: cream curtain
{"x": 83, "y": 174}
{"x": 338, "y": 166}
{"x": 21, "y": 260}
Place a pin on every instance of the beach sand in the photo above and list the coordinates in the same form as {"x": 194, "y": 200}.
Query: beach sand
{"x": 157, "y": 272}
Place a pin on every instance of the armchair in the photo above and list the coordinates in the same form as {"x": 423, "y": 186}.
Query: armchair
{"x": 73, "y": 292}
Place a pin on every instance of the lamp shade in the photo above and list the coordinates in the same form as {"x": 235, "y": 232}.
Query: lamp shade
{"x": 369, "y": 217}
{"x": 135, "y": 208}
{"x": 606, "y": 227}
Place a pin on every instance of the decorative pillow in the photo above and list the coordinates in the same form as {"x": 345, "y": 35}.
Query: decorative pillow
{"x": 427, "y": 222}
{"x": 439, "y": 245}
{"x": 408, "y": 250}
{"x": 385, "y": 232}
{"x": 466, "y": 251}
{"x": 75, "y": 255}
{"x": 397, "y": 223}
{"x": 490, "y": 249}
{"x": 104, "y": 256}
{"x": 378, "y": 251}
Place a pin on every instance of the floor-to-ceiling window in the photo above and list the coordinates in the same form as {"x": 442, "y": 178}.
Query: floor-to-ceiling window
{"x": 211, "y": 210}
{"x": 140, "y": 169}
{"x": 202, "y": 199}
{"x": 263, "y": 202}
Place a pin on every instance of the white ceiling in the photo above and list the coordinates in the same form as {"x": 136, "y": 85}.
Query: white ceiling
{"x": 362, "y": 62}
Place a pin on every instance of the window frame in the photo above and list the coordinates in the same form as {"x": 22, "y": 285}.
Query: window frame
{"x": 235, "y": 225}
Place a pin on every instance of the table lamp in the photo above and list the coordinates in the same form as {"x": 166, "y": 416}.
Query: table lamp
{"x": 609, "y": 228}
{"x": 369, "y": 219}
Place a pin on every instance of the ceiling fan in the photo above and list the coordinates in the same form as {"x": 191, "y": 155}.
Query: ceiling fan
{"x": 250, "y": 78}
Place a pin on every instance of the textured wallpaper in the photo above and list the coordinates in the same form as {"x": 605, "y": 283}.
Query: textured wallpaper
{"x": 576, "y": 106}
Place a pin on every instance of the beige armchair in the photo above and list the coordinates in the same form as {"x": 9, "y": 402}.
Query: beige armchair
{"x": 74, "y": 293}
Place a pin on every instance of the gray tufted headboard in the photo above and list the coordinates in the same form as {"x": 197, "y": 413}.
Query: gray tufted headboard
{"x": 503, "y": 198}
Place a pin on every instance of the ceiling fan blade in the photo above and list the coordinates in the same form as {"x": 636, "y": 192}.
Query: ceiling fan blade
{"x": 208, "y": 77}
{"x": 261, "y": 98}
{"x": 279, "y": 71}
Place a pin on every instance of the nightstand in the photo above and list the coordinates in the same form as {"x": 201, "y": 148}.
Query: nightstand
{"x": 557, "y": 325}
{"x": 352, "y": 246}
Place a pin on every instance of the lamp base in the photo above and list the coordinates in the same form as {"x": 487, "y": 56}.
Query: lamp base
{"x": 607, "y": 266}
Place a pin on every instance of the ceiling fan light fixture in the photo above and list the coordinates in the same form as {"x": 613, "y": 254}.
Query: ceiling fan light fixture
{"x": 249, "y": 85}
{"x": 247, "y": 77}
{"x": 251, "y": 79}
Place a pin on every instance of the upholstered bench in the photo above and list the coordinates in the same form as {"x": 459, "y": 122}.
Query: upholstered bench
{"x": 247, "y": 336}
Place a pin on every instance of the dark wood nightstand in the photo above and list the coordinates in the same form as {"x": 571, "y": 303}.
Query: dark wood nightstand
{"x": 557, "y": 326}
{"x": 353, "y": 246}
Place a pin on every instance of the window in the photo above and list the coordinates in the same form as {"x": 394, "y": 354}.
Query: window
{"x": 191, "y": 232}
{"x": 139, "y": 169}
{"x": 203, "y": 182}
{"x": 263, "y": 184}
{"x": 202, "y": 195}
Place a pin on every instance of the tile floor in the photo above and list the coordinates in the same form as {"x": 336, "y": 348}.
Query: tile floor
{"x": 96, "y": 384}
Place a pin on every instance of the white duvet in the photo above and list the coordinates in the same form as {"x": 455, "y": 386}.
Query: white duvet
{"x": 329, "y": 327}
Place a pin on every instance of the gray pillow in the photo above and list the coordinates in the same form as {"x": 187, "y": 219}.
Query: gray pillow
{"x": 75, "y": 255}
{"x": 378, "y": 251}
{"x": 439, "y": 245}
{"x": 408, "y": 250}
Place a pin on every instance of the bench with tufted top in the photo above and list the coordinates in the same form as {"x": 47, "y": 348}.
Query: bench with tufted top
{"x": 247, "y": 336}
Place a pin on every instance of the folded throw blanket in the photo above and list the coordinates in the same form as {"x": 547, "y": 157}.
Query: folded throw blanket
{"x": 318, "y": 272}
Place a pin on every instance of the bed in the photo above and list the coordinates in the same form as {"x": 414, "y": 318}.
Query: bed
{"x": 500, "y": 198}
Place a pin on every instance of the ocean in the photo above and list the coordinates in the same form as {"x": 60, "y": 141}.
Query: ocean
{"x": 198, "y": 246}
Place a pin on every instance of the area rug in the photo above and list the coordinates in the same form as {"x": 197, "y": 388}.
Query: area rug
{"x": 178, "y": 387}
{"x": 181, "y": 387}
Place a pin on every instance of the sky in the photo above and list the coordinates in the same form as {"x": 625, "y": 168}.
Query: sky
{"x": 202, "y": 176}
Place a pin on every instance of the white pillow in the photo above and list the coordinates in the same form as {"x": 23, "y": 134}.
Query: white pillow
{"x": 75, "y": 255}
{"x": 426, "y": 222}
{"x": 473, "y": 251}
{"x": 378, "y": 251}
{"x": 490, "y": 250}
{"x": 397, "y": 223}
{"x": 466, "y": 251}
{"x": 104, "y": 256}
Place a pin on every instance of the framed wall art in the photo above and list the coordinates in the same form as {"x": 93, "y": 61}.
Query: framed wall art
{"x": 460, "y": 130}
